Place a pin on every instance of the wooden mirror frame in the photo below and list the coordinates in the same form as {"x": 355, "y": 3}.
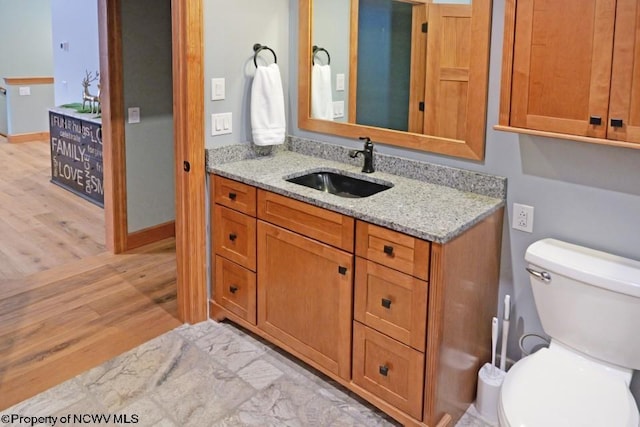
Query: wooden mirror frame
{"x": 471, "y": 148}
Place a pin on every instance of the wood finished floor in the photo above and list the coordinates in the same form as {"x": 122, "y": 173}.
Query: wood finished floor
{"x": 66, "y": 305}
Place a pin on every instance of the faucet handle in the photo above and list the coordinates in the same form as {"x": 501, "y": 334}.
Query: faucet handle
{"x": 367, "y": 142}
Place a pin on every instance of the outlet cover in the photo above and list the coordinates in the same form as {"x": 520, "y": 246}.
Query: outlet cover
{"x": 522, "y": 218}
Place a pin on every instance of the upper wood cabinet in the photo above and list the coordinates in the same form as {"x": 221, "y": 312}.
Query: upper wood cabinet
{"x": 569, "y": 70}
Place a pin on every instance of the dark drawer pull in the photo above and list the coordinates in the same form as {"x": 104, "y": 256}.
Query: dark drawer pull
{"x": 617, "y": 123}
{"x": 595, "y": 120}
{"x": 384, "y": 370}
{"x": 388, "y": 249}
{"x": 386, "y": 303}
{"x": 233, "y": 237}
{"x": 342, "y": 270}
{"x": 233, "y": 289}
{"x": 233, "y": 196}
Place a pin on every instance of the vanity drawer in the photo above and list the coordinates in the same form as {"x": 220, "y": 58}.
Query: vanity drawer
{"x": 235, "y": 289}
{"x": 235, "y": 195}
{"x": 235, "y": 236}
{"x": 391, "y": 302}
{"x": 393, "y": 249}
{"x": 321, "y": 224}
{"x": 388, "y": 369}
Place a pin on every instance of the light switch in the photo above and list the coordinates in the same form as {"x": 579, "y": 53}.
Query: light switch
{"x": 221, "y": 124}
{"x": 338, "y": 109}
{"x": 217, "y": 89}
{"x": 25, "y": 91}
{"x": 339, "y": 82}
{"x": 134, "y": 115}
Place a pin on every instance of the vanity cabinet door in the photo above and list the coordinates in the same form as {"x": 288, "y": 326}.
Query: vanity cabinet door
{"x": 625, "y": 77}
{"x": 305, "y": 297}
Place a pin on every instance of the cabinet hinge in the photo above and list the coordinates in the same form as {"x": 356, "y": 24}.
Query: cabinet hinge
{"x": 421, "y": 106}
{"x": 425, "y": 27}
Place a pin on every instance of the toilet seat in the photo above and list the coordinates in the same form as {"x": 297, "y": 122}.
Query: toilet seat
{"x": 551, "y": 388}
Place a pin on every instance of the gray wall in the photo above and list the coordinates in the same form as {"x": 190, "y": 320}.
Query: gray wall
{"x": 25, "y": 34}
{"x": 25, "y": 51}
{"x": 27, "y": 114}
{"x": 582, "y": 193}
{"x": 76, "y": 22}
{"x": 231, "y": 28}
{"x": 146, "y": 42}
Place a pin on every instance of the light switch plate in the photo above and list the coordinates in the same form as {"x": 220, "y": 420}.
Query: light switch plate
{"x": 134, "y": 114}
{"x": 339, "y": 82}
{"x": 217, "y": 89}
{"x": 24, "y": 91}
{"x": 221, "y": 124}
{"x": 338, "y": 109}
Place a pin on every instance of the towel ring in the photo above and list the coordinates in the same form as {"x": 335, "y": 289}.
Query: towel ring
{"x": 316, "y": 50}
{"x": 257, "y": 48}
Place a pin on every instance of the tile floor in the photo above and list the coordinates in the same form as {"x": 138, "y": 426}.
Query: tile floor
{"x": 209, "y": 374}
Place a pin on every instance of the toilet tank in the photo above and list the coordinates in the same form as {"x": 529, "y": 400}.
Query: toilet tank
{"x": 591, "y": 302}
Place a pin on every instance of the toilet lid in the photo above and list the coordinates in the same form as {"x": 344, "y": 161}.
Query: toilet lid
{"x": 555, "y": 389}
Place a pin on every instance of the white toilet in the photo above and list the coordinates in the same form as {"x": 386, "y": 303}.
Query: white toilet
{"x": 589, "y": 304}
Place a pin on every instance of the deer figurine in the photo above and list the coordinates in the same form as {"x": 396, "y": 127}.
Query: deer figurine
{"x": 94, "y": 101}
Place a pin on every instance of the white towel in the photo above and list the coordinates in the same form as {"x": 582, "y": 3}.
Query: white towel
{"x": 268, "y": 121}
{"x": 321, "y": 94}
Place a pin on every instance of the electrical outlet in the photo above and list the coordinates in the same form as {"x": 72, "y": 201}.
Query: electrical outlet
{"x": 522, "y": 217}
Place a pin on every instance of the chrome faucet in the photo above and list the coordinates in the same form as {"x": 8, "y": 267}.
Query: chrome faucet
{"x": 367, "y": 152}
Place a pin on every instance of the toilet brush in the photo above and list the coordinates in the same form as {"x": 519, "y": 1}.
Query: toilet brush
{"x": 494, "y": 343}
{"x": 505, "y": 332}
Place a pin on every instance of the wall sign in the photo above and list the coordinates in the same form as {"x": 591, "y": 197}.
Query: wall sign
{"x": 76, "y": 156}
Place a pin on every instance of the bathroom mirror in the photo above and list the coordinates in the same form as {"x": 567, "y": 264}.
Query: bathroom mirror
{"x": 404, "y": 72}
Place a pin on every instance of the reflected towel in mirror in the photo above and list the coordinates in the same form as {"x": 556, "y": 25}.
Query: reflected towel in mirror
{"x": 321, "y": 95}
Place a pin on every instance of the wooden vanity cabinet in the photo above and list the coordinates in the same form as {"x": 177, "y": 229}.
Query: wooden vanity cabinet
{"x": 402, "y": 322}
{"x": 570, "y": 70}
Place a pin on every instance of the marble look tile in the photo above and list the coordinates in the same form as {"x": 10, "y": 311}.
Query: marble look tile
{"x": 230, "y": 349}
{"x": 472, "y": 418}
{"x": 51, "y": 401}
{"x": 203, "y": 396}
{"x": 284, "y": 404}
{"x": 148, "y": 413}
{"x": 121, "y": 380}
{"x": 194, "y": 332}
{"x": 86, "y": 408}
{"x": 260, "y": 374}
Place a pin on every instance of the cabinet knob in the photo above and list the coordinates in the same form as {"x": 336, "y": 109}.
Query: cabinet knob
{"x": 342, "y": 270}
{"x": 233, "y": 289}
{"x": 233, "y": 196}
{"x": 617, "y": 123}
{"x": 388, "y": 249}
{"x": 386, "y": 303}
{"x": 233, "y": 237}
{"x": 595, "y": 120}
{"x": 384, "y": 370}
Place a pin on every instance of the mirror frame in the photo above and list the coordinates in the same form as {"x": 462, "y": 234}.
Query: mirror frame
{"x": 472, "y": 148}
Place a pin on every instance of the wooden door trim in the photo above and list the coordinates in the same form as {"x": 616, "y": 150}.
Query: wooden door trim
{"x": 188, "y": 113}
{"x": 112, "y": 105}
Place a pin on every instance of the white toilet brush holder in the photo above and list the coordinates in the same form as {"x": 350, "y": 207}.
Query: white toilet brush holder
{"x": 490, "y": 380}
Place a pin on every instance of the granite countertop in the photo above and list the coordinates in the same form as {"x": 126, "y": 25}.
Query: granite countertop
{"x": 422, "y": 209}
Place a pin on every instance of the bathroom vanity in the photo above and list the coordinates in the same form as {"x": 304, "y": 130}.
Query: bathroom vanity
{"x": 391, "y": 295}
